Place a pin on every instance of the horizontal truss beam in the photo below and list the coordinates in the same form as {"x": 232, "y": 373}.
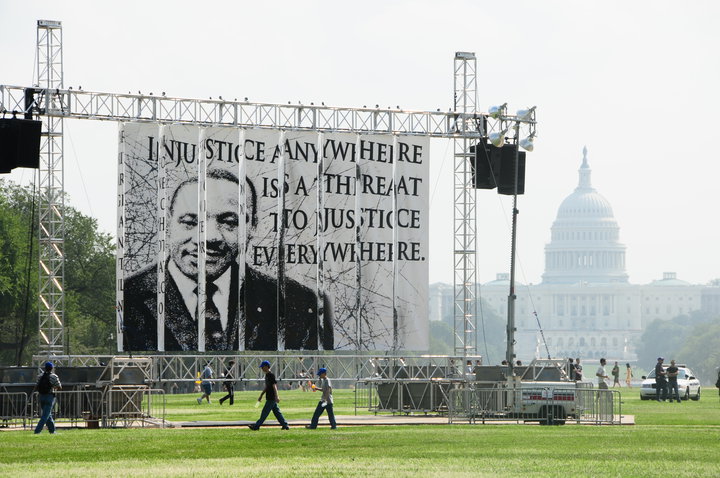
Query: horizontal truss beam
{"x": 78, "y": 104}
{"x": 288, "y": 367}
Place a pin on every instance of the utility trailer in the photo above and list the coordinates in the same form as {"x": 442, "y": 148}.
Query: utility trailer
{"x": 540, "y": 392}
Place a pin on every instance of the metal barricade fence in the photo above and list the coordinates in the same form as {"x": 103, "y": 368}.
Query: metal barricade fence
{"x": 544, "y": 404}
{"x": 404, "y": 396}
{"x": 73, "y": 407}
{"x": 135, "y": 406}
{"x": 13, "y": 408}
{"x": 365, "y": 396}
{"x": 110, "y": 407}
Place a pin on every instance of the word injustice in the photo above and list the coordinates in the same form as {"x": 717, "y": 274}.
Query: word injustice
{"x": 340, "y": 218}
{"x": 178, "y": 152}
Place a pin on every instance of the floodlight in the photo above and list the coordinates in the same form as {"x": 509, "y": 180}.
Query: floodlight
{"x": 497, "y": 139}
{"x": 528, "y": 143}
{"x": 497, "y": 111}
{"x": 526, "y": 114}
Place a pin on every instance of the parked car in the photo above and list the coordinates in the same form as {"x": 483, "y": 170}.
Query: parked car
{"x": 688, "y": 384}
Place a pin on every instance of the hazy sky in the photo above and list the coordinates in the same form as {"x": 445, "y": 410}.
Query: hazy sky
{"x": 637, "y": 82}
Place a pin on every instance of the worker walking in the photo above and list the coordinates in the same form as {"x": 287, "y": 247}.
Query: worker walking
{"x": 271, "y": 399}
{"x": 326, "y": 401}
{"x": 46, "y": 385}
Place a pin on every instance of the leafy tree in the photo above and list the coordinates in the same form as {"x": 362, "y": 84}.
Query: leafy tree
{"x": 441, "y": 338}
{"x": 18, "y": 274}
{"x": 662, "y": 338}
{"x": 89, "y": 279}
{"x": 701, "y": 351}
{"x": 666, "y": 338}
{"x": 490, "y": 330}
{"x": 89, "y": 283}
{"x": 491, "y": 335}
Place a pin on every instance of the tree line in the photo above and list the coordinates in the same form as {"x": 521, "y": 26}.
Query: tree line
{"x": 692, "y": 339}
{"x": 490, "y": 334}
{"x": 89, "y": 274}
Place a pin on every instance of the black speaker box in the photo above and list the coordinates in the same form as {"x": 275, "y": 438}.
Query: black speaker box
{"x": 485, "y": 165}
{"x": 19, "y": 144}
{"x": 506, "y": 180}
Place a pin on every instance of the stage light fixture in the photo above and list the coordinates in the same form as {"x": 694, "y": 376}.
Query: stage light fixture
{"x": 528, "y": 144}
{"x": 497, "y": 139}
{"x": 526, "y": 114}
{"x": 497, "y": 111}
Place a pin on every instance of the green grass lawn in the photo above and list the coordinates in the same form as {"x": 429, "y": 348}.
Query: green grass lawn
{"x": 295, "y": 404}
{"x": 672, "y": 439}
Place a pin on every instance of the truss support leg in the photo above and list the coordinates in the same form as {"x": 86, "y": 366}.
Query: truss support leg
{"x": 464, "y": 221}
{"x": 51, "y": 206}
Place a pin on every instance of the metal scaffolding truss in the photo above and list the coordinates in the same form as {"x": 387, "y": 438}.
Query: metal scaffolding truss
{"x": 51, "y": 216}
{"x": 78, "y": 104}
{"x": 156, "y": 369}
{"x": 464, "y": 227}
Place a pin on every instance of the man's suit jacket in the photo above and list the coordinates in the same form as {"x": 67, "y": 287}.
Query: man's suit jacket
{"x": 297, "y": 324}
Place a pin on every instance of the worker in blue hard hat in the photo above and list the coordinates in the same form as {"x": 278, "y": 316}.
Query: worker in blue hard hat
{"x": 326, "y": 401}
{"x": 272, "y": 399}
{"x": 46, "y": 385}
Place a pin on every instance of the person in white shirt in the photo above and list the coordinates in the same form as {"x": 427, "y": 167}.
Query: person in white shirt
{"x": 602, "y": 375}
{"x": 326, "y": 401}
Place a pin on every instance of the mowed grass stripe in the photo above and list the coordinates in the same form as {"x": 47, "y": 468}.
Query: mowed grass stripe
{"x": 500, "y": 449}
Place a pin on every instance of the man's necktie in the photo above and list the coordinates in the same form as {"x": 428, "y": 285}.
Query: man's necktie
{"x": 214, "y": 337}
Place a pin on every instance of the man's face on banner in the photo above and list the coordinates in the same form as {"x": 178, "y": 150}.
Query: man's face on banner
{"x": 221, "y": 227}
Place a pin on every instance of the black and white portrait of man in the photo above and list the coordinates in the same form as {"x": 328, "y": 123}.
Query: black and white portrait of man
{"x": 248, "y": 307}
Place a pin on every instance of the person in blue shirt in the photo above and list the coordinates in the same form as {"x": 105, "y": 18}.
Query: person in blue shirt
{"x": 206, "y": 384}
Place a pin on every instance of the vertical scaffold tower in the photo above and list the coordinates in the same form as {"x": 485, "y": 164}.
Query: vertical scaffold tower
{"x": 51, "y": 202}
{"x": 464, "y": 227}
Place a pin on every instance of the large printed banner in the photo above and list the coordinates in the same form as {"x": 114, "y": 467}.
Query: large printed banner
{"x": 250, "y": 239}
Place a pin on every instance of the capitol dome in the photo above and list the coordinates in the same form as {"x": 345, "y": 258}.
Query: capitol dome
{"x": 584, "y": 245}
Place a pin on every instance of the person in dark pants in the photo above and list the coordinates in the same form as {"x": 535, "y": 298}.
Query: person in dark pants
{"x": 272, "y": 399}
{"x": 46, "y": 385}
{"x": 326, "y": 401}
{"x": 661, "y": 391}
{"x": 229, "y": 384}
{"x": 571, "y": 369}
{"x": 616, "y": 375}
{"x": 578, "y": 370}
{"x": 672, "y": 374}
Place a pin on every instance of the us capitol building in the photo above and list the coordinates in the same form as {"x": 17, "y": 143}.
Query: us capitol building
{"x": 585, "y": 304}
